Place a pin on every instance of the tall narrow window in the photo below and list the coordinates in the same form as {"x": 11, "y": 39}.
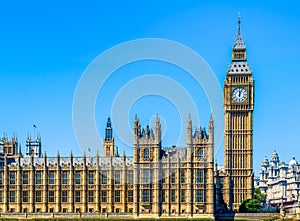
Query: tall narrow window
{"x": 64, "y": 177}
{"x": 38, "y": 196}
{"x": 146, "y": 176}
{"x": 130, "y": 177}
{"x": 117, "y": 196}
{"x": 163, "y": 196}
{"x": 199, "y": 196}
{"x": 104, "y": 177}
{"x": 1, "y": 178}
{"x": 12, "y": 196}
{"x": 51, "y": 178}
{"x": 38, "y": 177}
{"x": 130, "y": 196}
{"x": 146, "y": 153}
{"x": 25, "y": 196}
{"x": 182, "y": 196}
{"x": 117, "y": 177}
{"x": 51, "y": 196}
{"x": 91, "y": 177}
{"x": 25, "y": 177}
{"x": 182, "y": 176}
{"x": 199, "y": 176}
{"x": 77, "y": 178}
{"x": 1, "y": 196}
{"x": 77, "y": 196}
{"x": 146, "y": 196}
{"x": 173, "y": 196}
{"x": 91, "y": 196}
{"x": 64, "y": 196}
{"x": 173, "y": 177}
{"x": 104, "y": 196}
{"x": 12, "y": 177}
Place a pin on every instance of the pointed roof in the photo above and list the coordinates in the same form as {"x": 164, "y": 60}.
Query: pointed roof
{"x": 108, "y": 123}
{"x": 239, "y": 64}
{"x": 190, "y": 121}
{"x": 157, "y": 120}
{"x": 239, "y": 43}
{"x": 108, "y": 130}
{"x": 211, "y": 120}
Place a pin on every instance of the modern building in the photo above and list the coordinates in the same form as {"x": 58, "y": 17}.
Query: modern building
{"x": 155, "y": 181}
{"x": 280, "y": 182}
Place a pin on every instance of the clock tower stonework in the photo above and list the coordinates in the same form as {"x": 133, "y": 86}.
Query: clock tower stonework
{"x": 238, "y": 140}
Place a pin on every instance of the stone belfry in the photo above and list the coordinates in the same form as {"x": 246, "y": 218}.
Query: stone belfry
{"x": 238, "y": 137}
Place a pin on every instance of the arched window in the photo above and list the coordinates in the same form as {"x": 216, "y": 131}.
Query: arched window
{"x": 200, "y": 153}
{"x": 146, "y": 153}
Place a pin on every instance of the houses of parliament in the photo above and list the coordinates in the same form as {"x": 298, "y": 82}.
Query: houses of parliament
{"x": 154, "y": 182}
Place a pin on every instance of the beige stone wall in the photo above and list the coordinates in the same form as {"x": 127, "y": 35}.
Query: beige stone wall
{"x": 152, "y": 185}
{"x": 238, "y": 141}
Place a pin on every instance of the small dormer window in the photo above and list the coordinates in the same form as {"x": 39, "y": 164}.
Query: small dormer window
{"x": 146, "y": 153}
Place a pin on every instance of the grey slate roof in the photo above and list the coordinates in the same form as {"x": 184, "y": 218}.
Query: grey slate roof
{"x": 239, "y": 67}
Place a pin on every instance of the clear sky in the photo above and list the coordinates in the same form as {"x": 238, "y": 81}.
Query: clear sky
{"x": 45, "y": 46}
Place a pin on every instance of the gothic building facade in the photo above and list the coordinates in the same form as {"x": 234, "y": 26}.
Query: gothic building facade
{"x": 155, "y": 181}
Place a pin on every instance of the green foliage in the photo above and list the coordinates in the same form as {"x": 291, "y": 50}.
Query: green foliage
{"x": 258, "y": 195}
{"x": 252, "y": 205}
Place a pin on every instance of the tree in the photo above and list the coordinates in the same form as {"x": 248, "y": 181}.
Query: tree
{"x": 252, "y": 205}
{"x": 258, "y": 195}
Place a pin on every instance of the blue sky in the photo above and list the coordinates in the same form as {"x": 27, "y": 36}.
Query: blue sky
{"x": 45, "y": 46}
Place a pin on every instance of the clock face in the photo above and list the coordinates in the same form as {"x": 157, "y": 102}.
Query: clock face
{"x": 239, "y": 94}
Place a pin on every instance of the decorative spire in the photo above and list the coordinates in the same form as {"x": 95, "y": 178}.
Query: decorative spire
{"x": 157, "y": 121}
{"x": 117, "y": 152}
{"x": 239, "y": 43}
{"x": 189, "y": 121}
{"x": 189, "y": 130}
{"x": 108, "y": 130}
{"x": 239, "y": 23}
{"x": 124, "y": 155}
{"x": 211, "y": 121}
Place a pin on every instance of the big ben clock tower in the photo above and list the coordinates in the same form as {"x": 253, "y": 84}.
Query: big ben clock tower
{"x": 238, "y": 141}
